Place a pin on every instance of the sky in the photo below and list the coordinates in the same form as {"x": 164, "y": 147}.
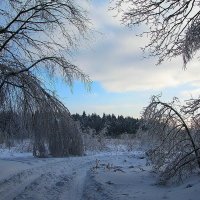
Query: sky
{"x": 123, "y": 80}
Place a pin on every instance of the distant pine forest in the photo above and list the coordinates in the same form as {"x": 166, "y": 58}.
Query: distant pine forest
{"x": 110, "y": 125}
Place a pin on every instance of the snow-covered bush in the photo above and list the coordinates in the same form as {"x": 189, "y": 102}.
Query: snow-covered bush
{"x": 94, "y": 142}
{"x": 130, "y": 141}
{"x": 171, "y": 141}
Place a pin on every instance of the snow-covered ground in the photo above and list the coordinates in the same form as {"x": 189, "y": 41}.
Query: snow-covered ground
{"x": 111, "y": 175}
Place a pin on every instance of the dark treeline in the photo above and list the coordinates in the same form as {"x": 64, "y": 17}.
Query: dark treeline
{"x": 111, "y": 124}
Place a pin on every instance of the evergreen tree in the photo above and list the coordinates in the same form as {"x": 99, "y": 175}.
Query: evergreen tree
{"x": 115, "y": 126}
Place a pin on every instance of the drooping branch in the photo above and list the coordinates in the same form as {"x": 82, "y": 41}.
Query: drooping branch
{"x": 157, "y": 103}
{"x": 37, "y": 36}
{"x": 172, "y": 136}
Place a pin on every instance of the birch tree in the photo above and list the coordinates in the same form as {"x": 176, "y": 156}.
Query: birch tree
{"x": 36, "y": 37}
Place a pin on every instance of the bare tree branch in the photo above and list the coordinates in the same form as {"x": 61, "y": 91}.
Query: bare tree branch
{"x": 172, "y": 26}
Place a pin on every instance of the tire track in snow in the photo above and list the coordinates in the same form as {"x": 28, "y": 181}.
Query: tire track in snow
{"x": 53, "y": 179}
{"x": 57, "y": 180}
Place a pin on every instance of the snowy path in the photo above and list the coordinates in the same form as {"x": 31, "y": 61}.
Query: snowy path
{"x": 31, "y": 178}
{"x": 98, "y": 177}
{"x": 57, "y": 179}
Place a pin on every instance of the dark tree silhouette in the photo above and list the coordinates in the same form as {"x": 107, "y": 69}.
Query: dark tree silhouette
{"x": 112, "y": 125}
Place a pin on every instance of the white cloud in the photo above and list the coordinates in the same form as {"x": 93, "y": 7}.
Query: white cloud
{"x": 115, "y": 59}
{"x": 196, "y": 83}
{"x": 188, "y": 94}
{"x": 122, "y": 69}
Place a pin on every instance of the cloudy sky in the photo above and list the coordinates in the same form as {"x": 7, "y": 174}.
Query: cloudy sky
{"x": 123, "y": 81}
